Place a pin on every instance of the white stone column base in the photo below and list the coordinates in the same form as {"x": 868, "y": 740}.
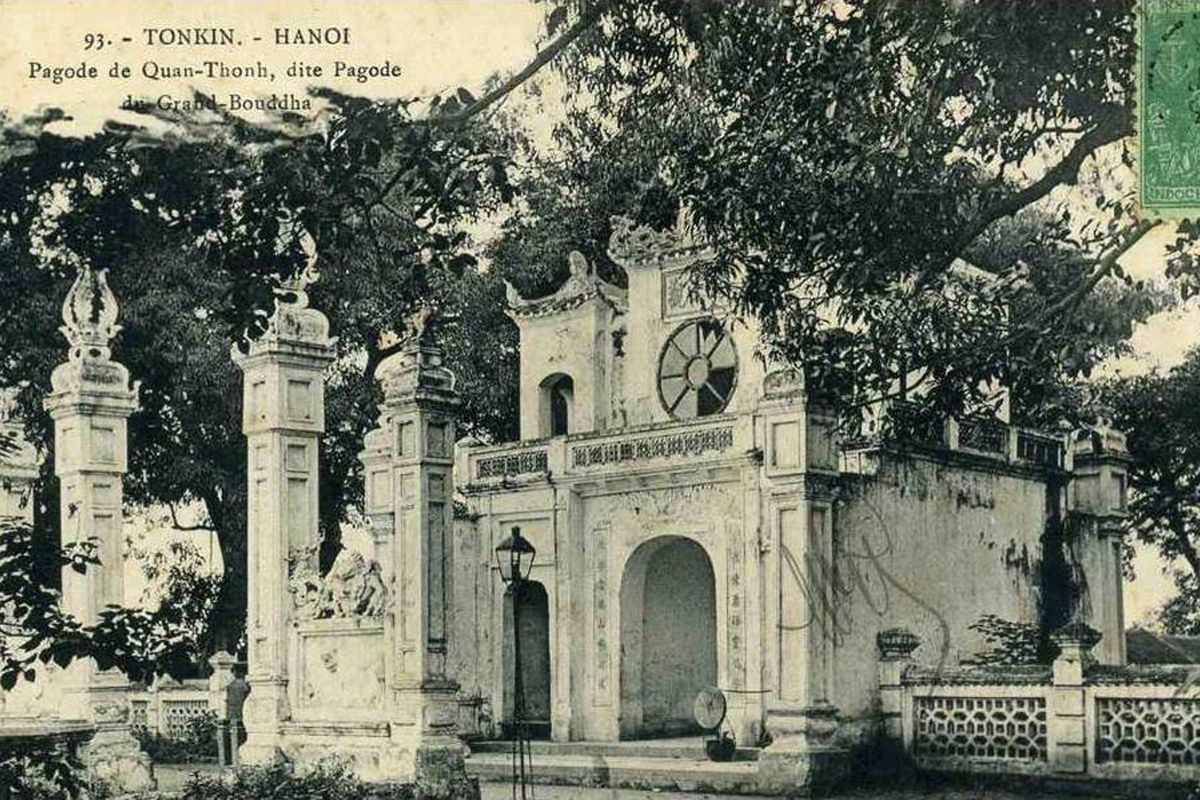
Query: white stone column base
{"x": 803, "y": 758}
{"x": 114, "y": 758}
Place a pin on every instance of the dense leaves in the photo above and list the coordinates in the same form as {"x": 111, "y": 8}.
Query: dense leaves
{"x": 842, "y": 156}
{"x": 325, "y": 781}
{"x": 1160, "y": 413}
{"x": 1010, "y": 643}
{"x": 34, "y": 629}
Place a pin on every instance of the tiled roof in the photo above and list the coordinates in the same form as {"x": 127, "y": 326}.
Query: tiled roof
{"x": 1147, "y": 647}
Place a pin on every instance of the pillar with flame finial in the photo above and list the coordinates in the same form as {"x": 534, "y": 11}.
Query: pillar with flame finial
{"x": 91, "y": 401}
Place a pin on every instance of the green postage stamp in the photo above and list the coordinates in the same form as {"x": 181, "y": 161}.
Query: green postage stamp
{"x": 1169, "y": 108}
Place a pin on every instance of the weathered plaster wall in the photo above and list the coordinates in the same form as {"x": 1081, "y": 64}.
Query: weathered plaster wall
{"x": 930, "y": 546}
{"x": 578, "y": 343}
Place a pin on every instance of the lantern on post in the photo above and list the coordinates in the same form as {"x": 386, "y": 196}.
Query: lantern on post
{"x": 514, "y": 558}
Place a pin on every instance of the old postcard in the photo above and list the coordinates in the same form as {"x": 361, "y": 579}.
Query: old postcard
{"x": 599, "y": 398}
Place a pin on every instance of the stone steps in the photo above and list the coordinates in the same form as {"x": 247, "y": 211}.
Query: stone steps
{"x": 677, "y": 765}
{"x": 688, "y": 748}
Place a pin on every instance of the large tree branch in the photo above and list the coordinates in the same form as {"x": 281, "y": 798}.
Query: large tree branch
{"x": 1112, "y": 127}
{"x": 175, "y": 522}
{"x": 544, "y": 56}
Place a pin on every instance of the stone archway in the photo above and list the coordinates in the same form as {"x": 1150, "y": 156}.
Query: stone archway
{"x": 668, "y": 636}
{"x": 535, "y": 658}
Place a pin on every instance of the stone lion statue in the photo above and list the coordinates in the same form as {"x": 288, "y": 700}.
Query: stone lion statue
{"x": 353, "y": 588}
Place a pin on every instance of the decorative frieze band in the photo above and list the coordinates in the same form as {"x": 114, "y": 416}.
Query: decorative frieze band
{"x": 525, "y": 462}
{"x": 685, "y": 443}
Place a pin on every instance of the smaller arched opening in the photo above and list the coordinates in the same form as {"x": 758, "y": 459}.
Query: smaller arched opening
{"x": 557, "y": 405}
{"x": 534, "y": 633}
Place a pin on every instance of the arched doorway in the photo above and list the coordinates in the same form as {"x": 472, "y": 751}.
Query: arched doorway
{"x": 535, "y": 658}
{"x": 668, "y": 636}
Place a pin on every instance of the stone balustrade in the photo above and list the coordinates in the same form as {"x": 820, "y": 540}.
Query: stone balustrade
{"x": 1072, "y": 718}
{"x": 911, "y": 425}
{"x": 711, "y": 439}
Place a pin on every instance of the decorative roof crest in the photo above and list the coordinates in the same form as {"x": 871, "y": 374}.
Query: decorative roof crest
{"x": 582, "y": 284}
{"x": 639, "y": 244}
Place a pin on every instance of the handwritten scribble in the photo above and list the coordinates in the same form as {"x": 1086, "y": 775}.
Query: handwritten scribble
{"x": 827, "y": 587}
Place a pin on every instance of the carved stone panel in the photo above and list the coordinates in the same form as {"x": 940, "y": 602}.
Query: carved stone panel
{"x": 342, "y": 668}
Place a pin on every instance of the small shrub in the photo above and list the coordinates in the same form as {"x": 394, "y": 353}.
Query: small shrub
{"x": 197, "y": 745}
{"x": 1010, "y": 644}
{"x": 327, "y": 780}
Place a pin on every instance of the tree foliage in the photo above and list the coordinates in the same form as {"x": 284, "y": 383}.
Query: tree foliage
{"x": 841, "y": 157}
{"x": 34, "y": 629}
{"x": 1160, "y": 414}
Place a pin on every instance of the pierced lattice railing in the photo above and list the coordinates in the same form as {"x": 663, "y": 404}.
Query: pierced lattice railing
{"x": 1148, "y": 730}
{"x": 994, "y": 728}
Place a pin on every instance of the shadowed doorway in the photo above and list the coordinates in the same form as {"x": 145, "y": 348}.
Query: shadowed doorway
{"x": 668, "y": 637}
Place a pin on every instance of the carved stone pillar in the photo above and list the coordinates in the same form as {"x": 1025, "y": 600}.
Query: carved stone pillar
{"x": 1067, "y": 702}
{"x": 91, "y": 401}
{"x": 283, "y": 417}
{"x": 799, "y": 470}
{"x": 896, "y": 646}
{"x": 408, "y": 463}
{"x": 1097, "y": 500}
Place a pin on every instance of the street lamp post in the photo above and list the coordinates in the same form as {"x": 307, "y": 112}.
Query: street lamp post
{"x": 514, "y": 558}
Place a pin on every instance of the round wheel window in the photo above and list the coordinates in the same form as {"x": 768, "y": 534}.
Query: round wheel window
{"x": 697, "y": 370}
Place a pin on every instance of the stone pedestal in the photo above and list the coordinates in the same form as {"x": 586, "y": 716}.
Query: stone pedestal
{"x": 283, "y": 417}
{"x": 803, "y": 758}
{"x": 408, "y": 466}
{"x": 91, "y": 402}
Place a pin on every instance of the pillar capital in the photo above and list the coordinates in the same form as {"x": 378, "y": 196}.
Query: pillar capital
{"x": 1075, "y": 642}
{"x": 416, "y": 375}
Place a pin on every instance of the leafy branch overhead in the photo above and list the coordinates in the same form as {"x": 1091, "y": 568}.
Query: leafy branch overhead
{"x": 842, "y": 157}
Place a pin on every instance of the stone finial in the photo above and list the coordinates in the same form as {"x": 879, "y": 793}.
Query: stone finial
{"x": 89, "y": 314}
{"x": 419, "y": 328}
{"x": 418, "y": 369}
{"x": 294, "y": 324}
{"x": 896, "y": 643}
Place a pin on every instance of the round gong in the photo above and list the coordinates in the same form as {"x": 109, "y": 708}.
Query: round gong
{"x": 709, "y": 709}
